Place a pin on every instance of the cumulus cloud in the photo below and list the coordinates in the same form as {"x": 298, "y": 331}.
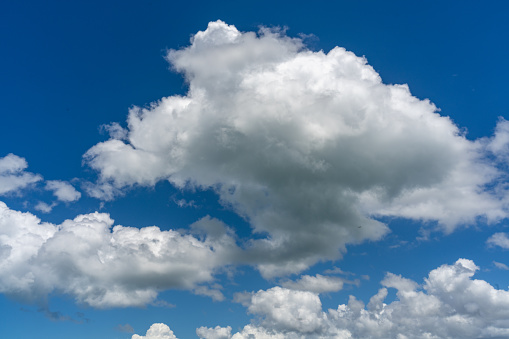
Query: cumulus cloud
{"x": 284, "y": 309}
{"x": 63, "y": 190}
{"x": 449, "y": 304}
{"x": 157, "y": 331}
{"x": 13, "y": 176}
{"x": 307, "y": 146}
{"x": 105, "y": 265}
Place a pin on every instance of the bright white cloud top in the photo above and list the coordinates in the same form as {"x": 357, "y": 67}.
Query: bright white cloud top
{"x": 157, "y": 331}
{"x": 312, "y": 150}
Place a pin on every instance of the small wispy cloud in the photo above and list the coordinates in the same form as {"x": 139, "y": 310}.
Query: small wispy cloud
{"x": 501, "y": 266}
{"x": 125, "y": 328}
{"x": 499, "y": 239}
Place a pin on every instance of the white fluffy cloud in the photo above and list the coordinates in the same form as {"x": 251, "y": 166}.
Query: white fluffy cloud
{"x": 157, "y": 331}
{"x": 102, "y": 265}
{"x": 499, "y": 239}
{"x": 13, "y": 176}
{"x": 307, "y": 146}
{"x": 450, "y": 304}
{"x": 63, "y": 190}
{"x": 284, "y": 309}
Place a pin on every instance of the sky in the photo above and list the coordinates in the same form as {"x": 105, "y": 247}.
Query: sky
{"x": 229, "y": 170}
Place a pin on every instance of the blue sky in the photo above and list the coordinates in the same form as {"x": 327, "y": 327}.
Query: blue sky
{"x": 295, "y": 159}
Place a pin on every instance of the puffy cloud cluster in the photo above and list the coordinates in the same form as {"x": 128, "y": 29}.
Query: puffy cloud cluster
{"x": 13, "y": 176}
{"x": 307, "y": 146}
{"x": 157, "y": 331}
{"x": 284, "y": 309}
{"x": 450, "y": 304}
{"x": 102, "y": 265}
{"x": 62, "y": 190}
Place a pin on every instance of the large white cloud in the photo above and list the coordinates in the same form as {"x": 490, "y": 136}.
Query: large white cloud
{"x": 102, "y": 265}
{"x": 307, "y": 146}
{"x": 450, "y": 304}
{"x": 13, "y": 176}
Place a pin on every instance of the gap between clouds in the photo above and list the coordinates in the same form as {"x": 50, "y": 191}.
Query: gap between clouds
{"x": 309, "y": 147}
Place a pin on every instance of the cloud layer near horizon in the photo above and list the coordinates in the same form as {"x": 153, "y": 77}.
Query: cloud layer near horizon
{"x": 307, "y": 146}
{"x": 449, "y": 304}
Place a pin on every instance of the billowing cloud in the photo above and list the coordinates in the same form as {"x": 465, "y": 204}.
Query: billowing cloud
{"x": 63, "y": 190}
{"x": 284, "y": 309}
{"x": 102, "y": 265}
{"x": 13, "y": 176}
{"x": 307, "y": 146}
{"x": 499, "y": 239}
{"x": 157, "y": 331}
{"x": 450, "y": 304}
